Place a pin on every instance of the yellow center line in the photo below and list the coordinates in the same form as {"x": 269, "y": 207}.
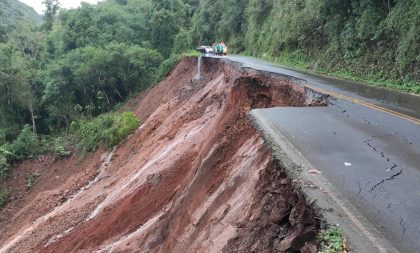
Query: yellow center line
{"x": 364, "y": 103}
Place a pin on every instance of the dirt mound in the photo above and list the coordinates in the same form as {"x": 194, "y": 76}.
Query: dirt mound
{"x": 195, "y": 177}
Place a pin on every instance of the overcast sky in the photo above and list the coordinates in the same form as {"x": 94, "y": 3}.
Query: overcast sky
{"x": 39, "y": 7}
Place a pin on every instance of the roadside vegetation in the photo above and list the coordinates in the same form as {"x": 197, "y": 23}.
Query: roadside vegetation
{"x": 371, "y": 41}
{"x": 332, "y": 241}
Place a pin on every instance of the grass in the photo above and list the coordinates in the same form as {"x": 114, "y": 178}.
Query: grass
{"x": 191, "y": 53}
{"x": 297, "y": 61}
{"x": 106, "y": 130}
{"x": 332, "y": 241}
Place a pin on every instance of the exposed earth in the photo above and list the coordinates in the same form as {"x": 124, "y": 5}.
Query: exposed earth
{"x": 195, "y": 177}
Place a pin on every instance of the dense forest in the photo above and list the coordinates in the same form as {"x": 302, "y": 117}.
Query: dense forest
{"x": 61, "y": 77}
{"x": 62, "y": 81}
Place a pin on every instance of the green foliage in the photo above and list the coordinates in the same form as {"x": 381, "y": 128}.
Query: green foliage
{"x": 56, "y": 79}
{"x": 107, "y": 130}
{"x": 4, "y": 162}
{"x": 30, "y": 180}
{"x": 191, "y": 53}
{"x": 332, "y": 241}
{"x": 124, "y": 124}
{"x": 60, "y": 147}
{"x": 26, "y": 145}
{"x": 52, "y": 7}
{"x": 92, "y": 80}
{"x": 16, "y": 91}
{"x": 11, "y": 13}
{"x": 84, "y": 61}
{"x": 377, "y": 40}
{"x": 4, "y": 196}
{"x": 182, "y": 42}
{"x": 167, "y": 66}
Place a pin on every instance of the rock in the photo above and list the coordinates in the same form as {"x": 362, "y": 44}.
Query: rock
{"x": 284, "y": 181}
{"x": 309, "y": 248}
{"x": 296, "y": 240}
{"x": 276, "y": 217}
{"x": 300, "y": 214}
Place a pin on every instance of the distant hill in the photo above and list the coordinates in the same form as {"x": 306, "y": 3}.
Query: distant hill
{"x": 13, "y": 11}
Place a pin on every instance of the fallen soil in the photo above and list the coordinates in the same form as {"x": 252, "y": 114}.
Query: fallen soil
{"x": 195, "y": 177}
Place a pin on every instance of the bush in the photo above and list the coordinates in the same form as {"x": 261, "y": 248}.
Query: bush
{"x": 4, "y": 162}
{"x": 59, "y": 148}
{"x": 107, "y": 129}
{"x": 124, "y": 124}
{"x": 332, "y": 241}
{"x": 4, "y": 195}
{"x": 167, "y": 65}
{"x": 31, "y": 180}
{"x": 26, "y": 145}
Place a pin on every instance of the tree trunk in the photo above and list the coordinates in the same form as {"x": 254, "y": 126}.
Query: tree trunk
{"x": 31, "y": 110}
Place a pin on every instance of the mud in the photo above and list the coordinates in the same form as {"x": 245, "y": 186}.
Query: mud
{"x": 195, "y": 177}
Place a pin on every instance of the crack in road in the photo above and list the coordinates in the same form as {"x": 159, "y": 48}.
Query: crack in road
{"x": 368, "y": 142}
{"x": 393, "y": 167}
{"x": 402, "y": 225}
{"x": 386, "y": 179}
{"x": 360, "y": 188}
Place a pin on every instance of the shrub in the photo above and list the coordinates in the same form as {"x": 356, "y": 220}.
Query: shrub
{"x": 107, "y": 129}
{"x": 26, "y": 145}
{"x": 4, "y": 162}
{"x": 59, "y": 148}
{"x": 4, "y": 195}
{"x": 332, "y": 241}
{"x": 124, "y": 124}
{"x": 166, "y": 66}
{"x": 30, "y": 180}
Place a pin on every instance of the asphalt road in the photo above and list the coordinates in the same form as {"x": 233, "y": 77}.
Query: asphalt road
{"x": 368, "y": 148}
{"x": 397, "y": 101}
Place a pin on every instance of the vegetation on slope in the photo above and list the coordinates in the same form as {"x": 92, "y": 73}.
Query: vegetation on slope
{"x": 82, "y": 63}
{"x": 59, "y": 80}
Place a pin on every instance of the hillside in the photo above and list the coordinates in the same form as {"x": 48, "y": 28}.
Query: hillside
{"x": 12, "y": 12}
{"x": 195, "y": 177}
{"x": 112, "y": 141}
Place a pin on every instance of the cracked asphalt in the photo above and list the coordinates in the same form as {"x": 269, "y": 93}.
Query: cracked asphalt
{"x": 383, "y": 180}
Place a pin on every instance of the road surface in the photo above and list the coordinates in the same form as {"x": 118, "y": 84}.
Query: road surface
{"x": 366, "y": 143}
{"x": 404, "y": 103}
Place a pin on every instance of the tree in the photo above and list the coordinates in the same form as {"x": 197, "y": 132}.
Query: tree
{"x": 52, "y": 7}
{"x": 19, "y": 92}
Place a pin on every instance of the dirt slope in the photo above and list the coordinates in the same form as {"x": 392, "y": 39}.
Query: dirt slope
{"x": 195, "y": 177}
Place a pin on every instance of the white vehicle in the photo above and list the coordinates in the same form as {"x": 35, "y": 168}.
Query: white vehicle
{"x": 206, "y": 50}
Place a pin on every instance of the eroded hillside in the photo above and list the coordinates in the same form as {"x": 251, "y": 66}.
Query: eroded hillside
{"x": 195, "y": 177}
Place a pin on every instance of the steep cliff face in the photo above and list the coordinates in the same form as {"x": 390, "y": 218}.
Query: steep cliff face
{"x": 195, "y": 177}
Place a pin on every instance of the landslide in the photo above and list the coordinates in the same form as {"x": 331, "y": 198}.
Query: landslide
{"x": 195, "y": 177}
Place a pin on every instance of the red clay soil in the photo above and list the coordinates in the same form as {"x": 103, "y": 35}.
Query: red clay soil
{"x": 196, "y": 177}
